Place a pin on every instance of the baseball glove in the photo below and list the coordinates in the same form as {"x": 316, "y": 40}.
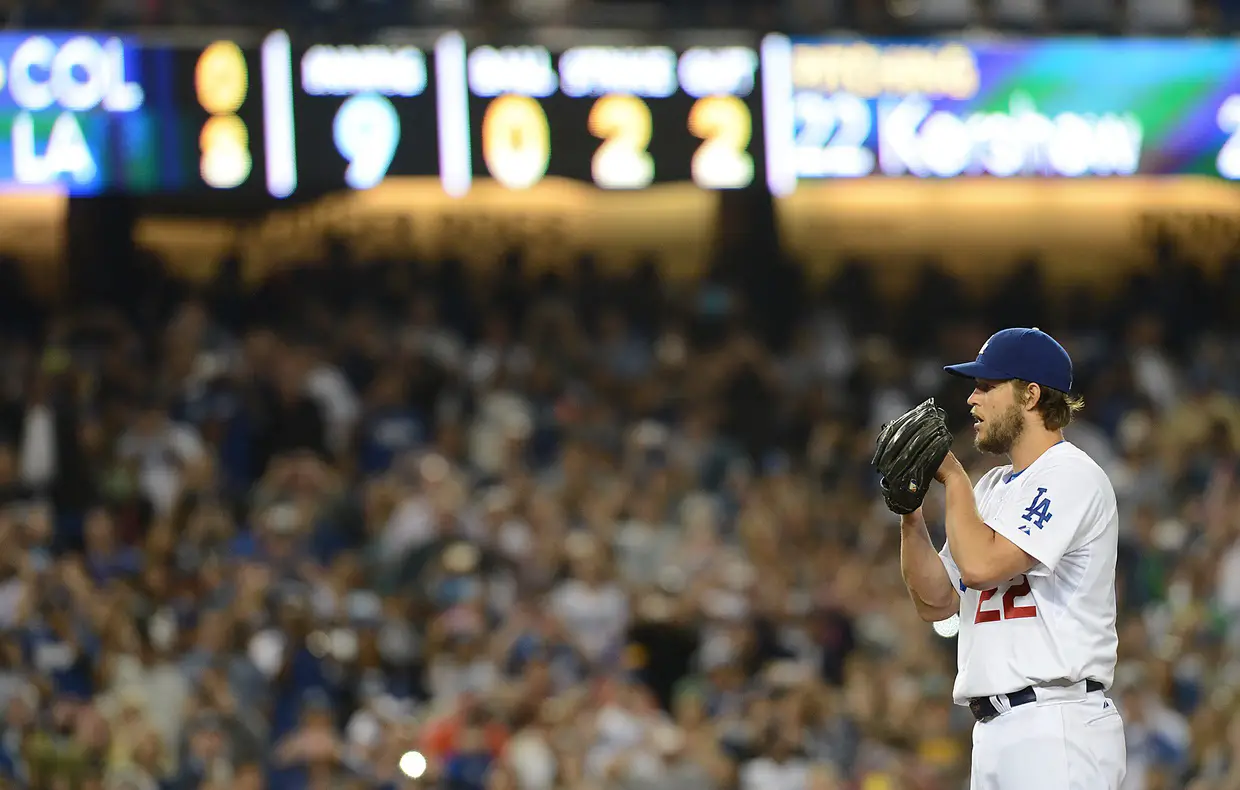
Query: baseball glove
{"x": 910, "y": 450}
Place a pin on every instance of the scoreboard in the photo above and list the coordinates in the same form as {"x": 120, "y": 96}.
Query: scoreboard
{"x": 1051, "y": 108}
{"x": 336, "y": 116}
{"x": 90, "y": 113}
{"x": 348, "y": 116}
{"x": 620, "y": 117}
{"x": 93, "y": 112}
{"x": 284, "y": 117}
{"x": 227, "y": 117}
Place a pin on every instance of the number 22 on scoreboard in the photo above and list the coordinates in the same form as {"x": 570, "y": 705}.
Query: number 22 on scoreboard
{"x": 987, "y": 612}
{"x": 831, "y": 135}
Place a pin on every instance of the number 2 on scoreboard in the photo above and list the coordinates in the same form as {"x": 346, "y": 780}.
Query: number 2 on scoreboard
{"x": 1010, "y": 610}
{"x": 624, "y": 125}
{"x": 725, "y": 126}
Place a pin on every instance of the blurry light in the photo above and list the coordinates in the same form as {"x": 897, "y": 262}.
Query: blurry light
{"x": 319, "y": 644}
{"x": 671, "y": 350}
{"x": 672, "y": 579}
{"x": 650, "y": 434}
{"x": 413, "y": 765}
{"x": 738, "y": 575}
{"x": 903, "y": 8}
{"x": 949, "y": 627}
{"x": 579, "y": 545}
{"x": 518, "y": 426}
{"x": 435, "y": 468}
{"x": 343, "y": 644}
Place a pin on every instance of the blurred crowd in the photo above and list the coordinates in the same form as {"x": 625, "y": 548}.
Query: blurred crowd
{"x": 876, "y": 17}
{"x": 574, "y": 531}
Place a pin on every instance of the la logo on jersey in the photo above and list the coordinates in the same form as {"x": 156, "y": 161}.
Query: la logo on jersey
{"x": 1038, "y": 512}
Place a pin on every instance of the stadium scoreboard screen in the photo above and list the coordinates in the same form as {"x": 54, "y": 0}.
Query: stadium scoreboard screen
{"x": 225, "y": 116}
{"x": 94, "y": 113}
{"x": 90, "y": 113}
{"x": 619, "y": 117}
{"x": 1044, "y": 108}
{"x": 348, "y": 116}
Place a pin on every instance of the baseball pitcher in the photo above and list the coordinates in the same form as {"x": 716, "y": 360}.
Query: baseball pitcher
{"x": 1029, "y": 565}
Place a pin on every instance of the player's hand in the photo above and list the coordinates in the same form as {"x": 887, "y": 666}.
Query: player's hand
{"x": 908, "y": 451}
{"x": 950, "y": 466}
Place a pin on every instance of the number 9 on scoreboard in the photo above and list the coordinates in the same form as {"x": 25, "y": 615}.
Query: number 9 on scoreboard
{"x": 366, "y": 131}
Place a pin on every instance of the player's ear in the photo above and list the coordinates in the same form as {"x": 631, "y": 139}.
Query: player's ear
{"x": 1029, "y": 395}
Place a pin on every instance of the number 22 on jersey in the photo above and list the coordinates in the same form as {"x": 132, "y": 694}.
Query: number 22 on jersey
{"x": 988, "y": 612}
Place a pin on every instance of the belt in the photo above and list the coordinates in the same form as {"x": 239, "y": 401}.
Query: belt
{"x": 984, "y": 710}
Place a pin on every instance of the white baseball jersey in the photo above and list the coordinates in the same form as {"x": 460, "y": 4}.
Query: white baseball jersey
{"x": 1057, "y": 622}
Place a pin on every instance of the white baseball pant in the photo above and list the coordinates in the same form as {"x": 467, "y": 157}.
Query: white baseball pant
{"x": 1051, "y": 744}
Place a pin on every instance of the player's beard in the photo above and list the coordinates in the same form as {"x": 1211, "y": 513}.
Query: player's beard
{"x": 997, "y": 436}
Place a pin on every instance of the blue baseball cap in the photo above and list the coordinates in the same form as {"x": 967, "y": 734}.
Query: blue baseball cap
{"x": 1025, "y": 354}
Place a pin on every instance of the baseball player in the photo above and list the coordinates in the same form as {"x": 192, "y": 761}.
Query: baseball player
{"x": 1029, "y": 566}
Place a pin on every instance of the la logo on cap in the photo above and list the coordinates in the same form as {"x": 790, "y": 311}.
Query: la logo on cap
{"x": 982, "y": 350}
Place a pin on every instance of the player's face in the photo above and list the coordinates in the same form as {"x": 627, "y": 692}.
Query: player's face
{"x": 998, "y": 419}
